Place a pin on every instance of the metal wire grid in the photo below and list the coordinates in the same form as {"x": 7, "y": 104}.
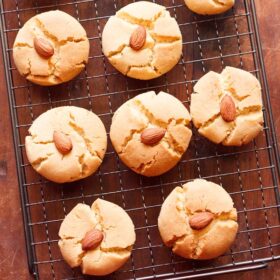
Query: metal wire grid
{"x": 250, "y": 173}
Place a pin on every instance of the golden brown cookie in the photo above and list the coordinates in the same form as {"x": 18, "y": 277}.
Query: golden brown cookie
{"x": 142, "y": 40}
{"x": 150, "y": 132}
{"x": 99, "y": 238}
{"x": 227, "y": 108}
{"x": 51, "y": 48}
{"x": 198, "y": 220}
{"x": 66, "y": 144}
{"x": 209, "y": 7}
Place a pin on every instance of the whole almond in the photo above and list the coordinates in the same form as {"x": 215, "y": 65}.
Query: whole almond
{"x": 228, "y": 109}
{"x": 43, "y": 47}
{"x": 138, "y": 38}
{"x": 92, "y": 239}
{"x": 151, "y": 136}
{"x": 62, "y": 142}
{"x": 201, "y": 220}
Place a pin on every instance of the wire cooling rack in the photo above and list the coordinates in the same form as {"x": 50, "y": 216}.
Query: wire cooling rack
{"x": 249, "y": 174}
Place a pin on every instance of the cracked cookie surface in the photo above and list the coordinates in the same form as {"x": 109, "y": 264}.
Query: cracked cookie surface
{"x": 116, "y": 246}
{"x": 149, "y": 110}
{"x": 209, "y": 7}
{"x": 245, "y": 91}
{"x": 163, "y": 46}
{"x": 182, "y": 204}
{"x": 88, "y": 137}
{"x": 67, "y": 37}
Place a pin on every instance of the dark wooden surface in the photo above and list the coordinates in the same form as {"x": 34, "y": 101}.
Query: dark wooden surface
{"x": 13, "y": 263}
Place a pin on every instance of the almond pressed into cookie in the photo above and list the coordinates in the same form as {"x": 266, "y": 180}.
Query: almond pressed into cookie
{"x": 227, "y": 108}
{"x": 142, "y": 40}
{"x": 66, "y": 144}
{"x": 51, "y": 48}
{"x": 150, "y": 132}
{"x": 99, "y": 238}
{"x": 198, "y": 220}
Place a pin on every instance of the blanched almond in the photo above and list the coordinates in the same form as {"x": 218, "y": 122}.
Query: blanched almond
{"x": 151, "y": 136}
{"x": 138, "y": 38}
{"x": 228, "y": 109}
{"x": 201, "y": 220}
{"x": 92, "y": 239}
{"x": 43, "y": 47}
{"x": 62, "y": 142}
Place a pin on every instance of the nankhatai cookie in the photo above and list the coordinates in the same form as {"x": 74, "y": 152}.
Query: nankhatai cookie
{"x": 66, "y": 144}
{"x": 142, "y": 40}
{"x": 150, "y": 132}
{"x": 51, "y": 48}
{"x": 227, "y": 108}
{"x": 198, "y": 220}
{"x": 99, "y": 238}
{"x": 209, "y": 7}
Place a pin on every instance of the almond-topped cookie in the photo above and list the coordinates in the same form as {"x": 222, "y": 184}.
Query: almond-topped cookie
{"x": 150, "y": 132}
{"x": 66, "y": 144}
{"x": 142, "y": 40}
{"x": 198, "y": 220}
{"x": 51, "y": 48}
{"x": 99, "y": 238}
{"x": 227, "y": 108}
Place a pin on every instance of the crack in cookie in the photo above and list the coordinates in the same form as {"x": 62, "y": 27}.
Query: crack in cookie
{"x": 149, "y": 23}
{"x": 80, "y": 131}
{"x": 37, "y": 163}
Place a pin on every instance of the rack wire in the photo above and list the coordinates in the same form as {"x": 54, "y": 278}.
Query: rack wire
{"x": 250, "y": 174}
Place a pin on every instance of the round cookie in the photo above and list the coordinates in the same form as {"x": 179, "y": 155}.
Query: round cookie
{"x": 51, "y": 48}
{"x": 158, "y": 41}
{"x": 227, "y": 108}
{"x": 155, "y": 134}
{"x": 96, "y": 256}
{"x": 198, "y": 220}
{"x": 66, "y": 144}
{"x": 209, "y": 7}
